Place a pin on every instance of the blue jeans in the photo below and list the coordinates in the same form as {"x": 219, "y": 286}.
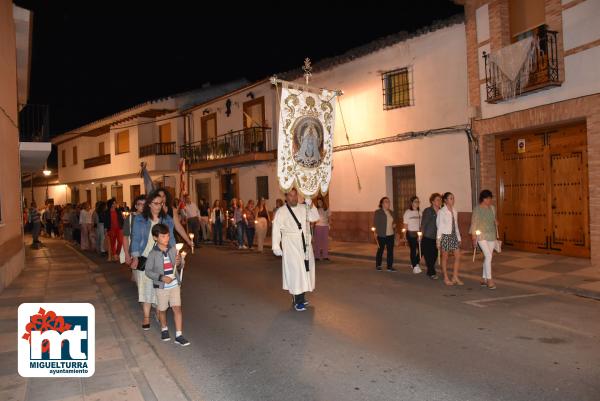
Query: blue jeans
{"x": 250, "y": 236}
{"x": 241, "y": 228}
{"x": 218, "y": 233}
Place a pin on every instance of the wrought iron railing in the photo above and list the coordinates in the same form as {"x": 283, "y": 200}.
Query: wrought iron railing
{"x": 158, "y": 149}
{"x": 544, "y": 71}
{"x": 97, "y": 161}
{"x": 236, "y": 143}
{"x": 34, "y": 123}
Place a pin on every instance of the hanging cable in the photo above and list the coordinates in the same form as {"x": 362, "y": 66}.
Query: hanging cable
{"x": 348, "y": 140}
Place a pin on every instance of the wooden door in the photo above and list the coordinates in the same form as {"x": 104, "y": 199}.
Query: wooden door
{"x": 543, "y": 191}
{"x": 164, "y": 133}
{"x": 88, "y": 196}
{"x": 404, "y": 187}
{"x": 208, "y": 127}
{"x": 135, "y": 191}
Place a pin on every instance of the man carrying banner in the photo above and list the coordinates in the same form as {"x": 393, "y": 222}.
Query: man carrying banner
{"x": 292, "y": 240}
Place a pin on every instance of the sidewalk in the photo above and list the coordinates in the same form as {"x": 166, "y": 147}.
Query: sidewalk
{"x": 566, "y": 274}
{"x": 58, "y": 273}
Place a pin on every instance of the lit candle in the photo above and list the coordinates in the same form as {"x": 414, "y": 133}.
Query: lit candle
{"x": 373, "y": 229}
{"x": 419, "y": 235}
{"x": 255, "y": 221}
{"x": 178, "y": 246}
{"x": 404, "y": 235}
{"x": 182, "y": 264}
{"x": 192, "y": 238}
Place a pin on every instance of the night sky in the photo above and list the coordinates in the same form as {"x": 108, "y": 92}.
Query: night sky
{"x": 91, "y": 62}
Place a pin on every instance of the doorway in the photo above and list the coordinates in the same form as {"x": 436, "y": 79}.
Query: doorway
{"x": 404, "y": 187}
{"x": 543, "y": 190}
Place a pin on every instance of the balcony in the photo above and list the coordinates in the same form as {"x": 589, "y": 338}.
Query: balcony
{"x": 35, "y": 145}
{"x": 158, "y": 149}
{"x": 237, "y": 147}
{"x": 96, "y": 161}
{"x": 544, "y": 71}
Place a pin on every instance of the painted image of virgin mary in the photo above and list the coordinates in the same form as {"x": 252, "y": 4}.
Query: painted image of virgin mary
{"x": 309, "y": 138}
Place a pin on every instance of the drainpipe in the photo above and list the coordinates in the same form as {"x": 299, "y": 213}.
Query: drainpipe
{"x": 474, "y": 160}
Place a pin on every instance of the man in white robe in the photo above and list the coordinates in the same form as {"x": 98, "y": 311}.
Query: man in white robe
{"x": 287, "y": 242}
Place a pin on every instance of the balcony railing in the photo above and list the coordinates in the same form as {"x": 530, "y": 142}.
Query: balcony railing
{"x": 236, "y": 143}
{"x": 544, "y": 71}
{"x": 96, "y": 161}
{"x": 34, "y": 123}
{"x": 158, "y": 149}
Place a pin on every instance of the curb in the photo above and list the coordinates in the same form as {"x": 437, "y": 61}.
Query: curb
{"x": 136, "y": 347}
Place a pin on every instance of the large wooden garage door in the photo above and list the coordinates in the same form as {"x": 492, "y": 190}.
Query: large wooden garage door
{"x": 543, "y": 191}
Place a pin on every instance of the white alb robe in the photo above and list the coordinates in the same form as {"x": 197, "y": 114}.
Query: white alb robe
{"x": 296, "y": 279}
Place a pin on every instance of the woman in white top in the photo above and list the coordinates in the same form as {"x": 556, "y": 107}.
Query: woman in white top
{"x": 412, "y": 225}
{"x": 85, "y": 219}
{"x": 448, "y": 237}
{"x": 321, "y": 239}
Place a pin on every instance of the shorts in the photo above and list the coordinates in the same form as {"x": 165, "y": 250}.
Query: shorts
{"x": 169, "y": 297}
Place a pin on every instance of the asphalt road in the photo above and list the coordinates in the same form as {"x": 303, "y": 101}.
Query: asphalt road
{"x": 371, "y": 335}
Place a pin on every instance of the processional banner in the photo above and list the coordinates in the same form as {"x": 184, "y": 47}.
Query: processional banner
{"x": 304, "y": 154}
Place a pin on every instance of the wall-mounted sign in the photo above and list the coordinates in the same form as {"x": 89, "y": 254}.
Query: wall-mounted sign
{"x": 521, "y": 146}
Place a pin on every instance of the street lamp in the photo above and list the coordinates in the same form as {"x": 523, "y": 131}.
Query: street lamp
{"x": 47, "y": 174}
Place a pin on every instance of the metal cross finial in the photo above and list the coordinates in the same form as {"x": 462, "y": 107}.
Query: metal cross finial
{"x": 307, "y": 70}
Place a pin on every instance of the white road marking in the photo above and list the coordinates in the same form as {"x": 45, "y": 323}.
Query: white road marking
{"x": 562, "y": 327}
{"x": 478, "y": 302}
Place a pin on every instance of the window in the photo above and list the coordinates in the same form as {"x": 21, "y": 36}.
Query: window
{"x": 122, "y": 142}
{"x": 101, "y": 149}
{"x": 254, "y": 113}
{"x": 397, "y": 89}
{"x": 262, "y": 187}
{"x": 74, "y": 154}
{"x": 524, "y": 16}
{"x": 209, "y": 127}
{"x": 63, "y": 158}
{"x": 164, "y": 133}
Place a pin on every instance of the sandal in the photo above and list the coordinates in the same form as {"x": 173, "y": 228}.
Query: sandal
{"x": 146, "y": 326}
{"x": 456, "y": 281}
{"x": 483, "y": 283}
{"x": 448, "y": 282}
{"x": 491, "y": 286}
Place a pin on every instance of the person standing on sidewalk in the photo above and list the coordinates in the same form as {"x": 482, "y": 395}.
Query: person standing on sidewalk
{"x": 138, "y": 208}
{"x": 291, "y": 239}
{"x": 322, "y": 230}
{"x": 36, "y": 224}
{"x": 385, "y": 229}
{"x": 85, "y": 219}
{"x": 217, "y": 217}
{"x": 238, "y": 217}
{"x": 484, "y": 221}
{"x": 98, "y": 219}
{"x": 249, "y": 219}
{"x": 204, "y": 220}
{"x": 262, "y": 223}
{"x": 412, "y": 225}
{"x": 448, "y": 238}
{"x": 114, "y": 228}
{"x": 192, "y": 214}
{"x": 429, "y": 230}
{"x": 142, "y": 243}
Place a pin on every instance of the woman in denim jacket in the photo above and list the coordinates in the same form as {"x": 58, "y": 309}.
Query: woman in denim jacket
{"x": 141, "y": 245}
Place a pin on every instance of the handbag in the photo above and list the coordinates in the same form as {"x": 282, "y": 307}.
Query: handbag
{"x": 141, "y": 263}
{"x": 498, "y": 245}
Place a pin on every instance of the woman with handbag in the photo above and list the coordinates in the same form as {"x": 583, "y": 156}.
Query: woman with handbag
{"x": 385, "y": 229}
{"x": 484, "y": 221}
{"x": 141, "y": 245}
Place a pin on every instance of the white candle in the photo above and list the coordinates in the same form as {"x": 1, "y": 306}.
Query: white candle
{"x": 178, "y": 246}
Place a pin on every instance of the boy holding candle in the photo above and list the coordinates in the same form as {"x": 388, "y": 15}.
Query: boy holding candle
{"x": 161, "y": 267}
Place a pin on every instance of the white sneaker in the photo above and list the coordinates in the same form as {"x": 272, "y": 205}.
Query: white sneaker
{"x": 417, "y": 269}
{"x": 244, "y": 247}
